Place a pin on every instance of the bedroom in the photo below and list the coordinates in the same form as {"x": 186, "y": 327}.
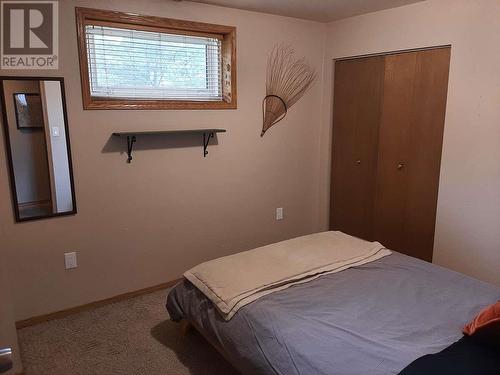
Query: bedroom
{"x": 137, "y": 227}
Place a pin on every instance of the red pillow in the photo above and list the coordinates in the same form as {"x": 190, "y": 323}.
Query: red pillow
{"x": 488, "y": 316}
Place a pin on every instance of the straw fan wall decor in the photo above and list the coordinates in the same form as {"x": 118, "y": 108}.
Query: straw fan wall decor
{"x": 287, "y": 81}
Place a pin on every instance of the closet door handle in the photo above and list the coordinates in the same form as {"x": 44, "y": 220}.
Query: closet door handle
{"x": 401, "y": 166}
{"x": 358, "y": 162}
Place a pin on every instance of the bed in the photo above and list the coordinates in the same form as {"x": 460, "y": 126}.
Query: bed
{"x": 376, "y": 318}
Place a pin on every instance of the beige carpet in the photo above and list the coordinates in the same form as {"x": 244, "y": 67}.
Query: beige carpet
{"x": 129, "y": 337}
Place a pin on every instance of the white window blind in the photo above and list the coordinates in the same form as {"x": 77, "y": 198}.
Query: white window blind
{"x": 134, "y": 64}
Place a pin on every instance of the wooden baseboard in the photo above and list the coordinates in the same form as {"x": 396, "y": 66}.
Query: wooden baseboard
{"x": 92, "y": 305}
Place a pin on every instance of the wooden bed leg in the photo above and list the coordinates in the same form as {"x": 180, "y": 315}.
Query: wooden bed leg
{"x": 185, "y": 327}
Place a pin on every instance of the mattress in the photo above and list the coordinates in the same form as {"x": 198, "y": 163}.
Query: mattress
{"x": 371, "y": 319}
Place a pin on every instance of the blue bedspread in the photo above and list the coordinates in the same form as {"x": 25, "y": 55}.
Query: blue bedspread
{"x": 372, "y": 319}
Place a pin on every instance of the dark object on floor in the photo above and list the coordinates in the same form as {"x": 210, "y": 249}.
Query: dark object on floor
{"x": 5, "y": 360}
{"x": 478, "y": 355}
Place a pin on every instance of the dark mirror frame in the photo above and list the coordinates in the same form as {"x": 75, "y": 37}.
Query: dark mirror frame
{"x": 8, "y": 149}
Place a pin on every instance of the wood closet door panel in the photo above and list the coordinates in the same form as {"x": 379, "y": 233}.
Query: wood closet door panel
{"x": 357, "y": 99}
{"x": 411, "y": 134}
{"x": 394, "y": 142}
{"x": 426, "y": 135}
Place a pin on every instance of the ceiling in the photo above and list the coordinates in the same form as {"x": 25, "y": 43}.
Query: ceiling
{"x": 316, "y": 10}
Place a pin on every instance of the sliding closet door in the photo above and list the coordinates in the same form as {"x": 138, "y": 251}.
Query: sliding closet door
{"x": 357, "y": 98}
{"x": 410, "y": 141}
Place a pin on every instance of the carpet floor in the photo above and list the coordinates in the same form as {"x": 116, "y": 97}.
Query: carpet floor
{"x": 132, "y": 337}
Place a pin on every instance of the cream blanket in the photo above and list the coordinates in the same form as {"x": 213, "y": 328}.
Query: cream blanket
{"x": 234, "y": 281}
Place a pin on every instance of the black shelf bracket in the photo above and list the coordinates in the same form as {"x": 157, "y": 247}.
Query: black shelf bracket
{"x": 130, "y": 144}
{"x": 132, "y": 137}
{"x": 206, "y": 141}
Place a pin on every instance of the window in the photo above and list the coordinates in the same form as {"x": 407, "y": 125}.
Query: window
{"x": 141, "y": 62}
{"x": 135, "y": 64}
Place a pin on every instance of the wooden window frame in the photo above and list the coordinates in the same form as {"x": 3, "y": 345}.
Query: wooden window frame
{"x": 88, "y": 16}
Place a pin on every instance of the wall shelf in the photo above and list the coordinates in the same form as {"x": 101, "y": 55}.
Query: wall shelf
{"x": 133, "y": 136}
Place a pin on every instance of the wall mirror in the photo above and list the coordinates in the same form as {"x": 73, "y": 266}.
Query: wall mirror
{"x": 38, "y": 149}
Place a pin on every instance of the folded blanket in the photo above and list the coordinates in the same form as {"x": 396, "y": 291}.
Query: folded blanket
{"x": 234, "y": 281}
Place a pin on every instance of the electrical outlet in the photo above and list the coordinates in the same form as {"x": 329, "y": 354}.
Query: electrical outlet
{"x": 279, "y": 213}
{"x": 70, "y": 260}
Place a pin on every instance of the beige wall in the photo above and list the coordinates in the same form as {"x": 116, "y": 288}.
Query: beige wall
{"x": 8, "y": 336}
{"x": 144, "y": 223}
{"x": 468, "y": 219}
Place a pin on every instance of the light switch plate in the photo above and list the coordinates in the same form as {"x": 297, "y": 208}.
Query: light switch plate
{"x": 70, "y": 260}
{"x": 279, "y": 213}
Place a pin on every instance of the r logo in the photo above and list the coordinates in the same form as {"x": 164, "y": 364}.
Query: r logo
{"x": 29, "y": 28}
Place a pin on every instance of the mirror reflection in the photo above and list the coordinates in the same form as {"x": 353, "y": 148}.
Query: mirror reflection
{"x": 34, "y": 117}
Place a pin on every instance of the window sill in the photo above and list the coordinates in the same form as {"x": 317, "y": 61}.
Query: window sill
{"x": 156, "y": 104}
